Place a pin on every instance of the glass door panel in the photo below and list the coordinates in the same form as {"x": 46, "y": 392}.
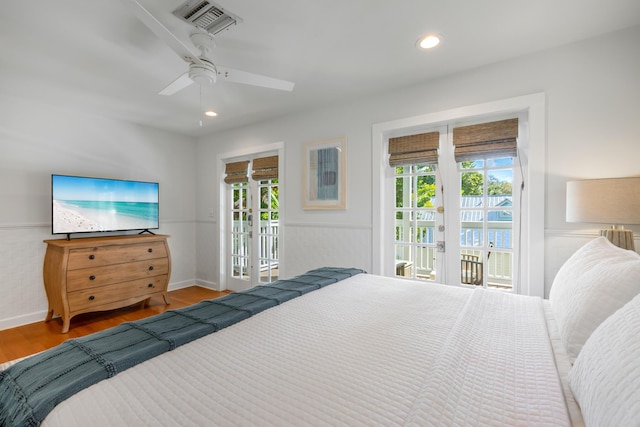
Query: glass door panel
{"x": 240, "y": 247}
{"x": 486, "y": 223}
{"x": 415, "y": 222}
{"x": 268, "y": 231}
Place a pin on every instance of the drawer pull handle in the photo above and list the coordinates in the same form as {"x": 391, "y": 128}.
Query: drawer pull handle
{"x": 150, "y": 250}
{"x": 92, "y": 277}
{"x": 150, "y": 285}
{"x": 150, "y": 267}
{"x": 91, "y": 298}
{"x": 92, "y": 257}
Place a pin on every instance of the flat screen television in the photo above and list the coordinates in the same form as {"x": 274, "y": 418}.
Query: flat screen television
{"x": 82, "y": 204}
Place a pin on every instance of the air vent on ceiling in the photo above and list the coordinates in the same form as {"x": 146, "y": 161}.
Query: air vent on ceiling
{"x": 207, "y": 15}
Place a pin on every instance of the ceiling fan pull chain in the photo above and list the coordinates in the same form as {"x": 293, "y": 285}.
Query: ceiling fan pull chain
{"x": 201, "y": 111}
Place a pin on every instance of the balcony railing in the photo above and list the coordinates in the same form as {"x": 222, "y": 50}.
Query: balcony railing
{"x": 269, "y": 248}
{"x": 499, "y": 268}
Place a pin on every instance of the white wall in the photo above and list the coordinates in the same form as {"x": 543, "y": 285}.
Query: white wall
{"x": 592, "y": 90}
{"x": 38, "y": 140}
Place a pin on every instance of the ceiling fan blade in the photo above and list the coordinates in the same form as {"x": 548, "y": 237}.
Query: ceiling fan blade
{"x": 244, "y": 77}
{"x": 177, "y": 85}
{"x": 163, "y": 33}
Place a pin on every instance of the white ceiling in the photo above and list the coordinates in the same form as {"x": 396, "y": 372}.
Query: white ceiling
{"x": 96, "y": 55}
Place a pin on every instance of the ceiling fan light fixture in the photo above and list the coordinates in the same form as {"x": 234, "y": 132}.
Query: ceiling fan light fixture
{"x": 429, "y": 41}
{"x": 201, "y": 75}
{"x": 204, "y": 73}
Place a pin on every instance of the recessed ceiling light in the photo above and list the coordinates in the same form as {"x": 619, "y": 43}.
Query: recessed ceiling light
{"x": 429, "y": 41}
{"x": 210, "y": 113}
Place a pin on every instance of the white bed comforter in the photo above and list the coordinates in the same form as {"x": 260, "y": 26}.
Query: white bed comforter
{"x": 365, "y": 351}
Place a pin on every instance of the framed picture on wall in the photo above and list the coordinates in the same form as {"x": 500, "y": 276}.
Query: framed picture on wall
{"x": 324, "y": 174}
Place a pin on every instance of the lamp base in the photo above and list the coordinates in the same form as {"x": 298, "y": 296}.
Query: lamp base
{"x": 620, "y": 238}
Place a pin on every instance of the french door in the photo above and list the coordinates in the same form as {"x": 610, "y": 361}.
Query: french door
{"x": 455, "y": 221}
{"x": 253, "y": 233}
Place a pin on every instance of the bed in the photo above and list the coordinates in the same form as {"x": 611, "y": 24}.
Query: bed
{"x": 371, "y": 350}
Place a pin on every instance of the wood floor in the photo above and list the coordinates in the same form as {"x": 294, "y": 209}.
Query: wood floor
{"x": 35, "y": 337}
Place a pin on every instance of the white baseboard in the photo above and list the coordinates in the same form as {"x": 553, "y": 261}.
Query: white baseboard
{"x": 180, "y": 285}
{"x": 208, "y": 284}
{"x": 25, "y": 319}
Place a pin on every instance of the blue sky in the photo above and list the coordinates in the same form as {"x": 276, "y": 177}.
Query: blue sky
{"x": 502, "y": 174}
{"x": 99, "y": 189}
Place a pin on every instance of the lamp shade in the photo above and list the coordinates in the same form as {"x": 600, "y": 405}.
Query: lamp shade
{"x": 614, "y": 201}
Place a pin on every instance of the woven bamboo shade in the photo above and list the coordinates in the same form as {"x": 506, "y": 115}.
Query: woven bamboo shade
{"x": 486, "y": 140}
{"x": 414, "y": 149}
{"x": 265, "y": 168}
{"x": 236, "y": 172}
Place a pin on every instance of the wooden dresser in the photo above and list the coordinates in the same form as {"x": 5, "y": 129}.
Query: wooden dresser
{"x": 103, "y": 273}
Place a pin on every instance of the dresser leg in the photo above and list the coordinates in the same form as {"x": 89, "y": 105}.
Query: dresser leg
{"x": 65, "y": 325}
{"x": 49, "y": 315}
{"x": 166, "y": 298}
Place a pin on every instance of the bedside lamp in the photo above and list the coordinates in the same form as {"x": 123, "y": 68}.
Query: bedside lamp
{"x": 614, "y": 200}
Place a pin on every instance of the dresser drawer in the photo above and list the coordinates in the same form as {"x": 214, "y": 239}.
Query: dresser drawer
{"x": 116, "y": 254}
{"x": 88, "y": 278}
{"x": 93, "y": 299}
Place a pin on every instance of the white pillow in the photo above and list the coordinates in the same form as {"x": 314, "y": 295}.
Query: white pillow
{"x": 594, "y": 282}
{"x": 605, "y": 379}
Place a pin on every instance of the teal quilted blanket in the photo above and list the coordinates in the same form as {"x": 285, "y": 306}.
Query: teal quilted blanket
{"x": 30, "y": 389}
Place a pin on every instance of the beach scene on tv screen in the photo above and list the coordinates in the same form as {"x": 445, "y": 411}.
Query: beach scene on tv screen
{"x": 94, "y": 204}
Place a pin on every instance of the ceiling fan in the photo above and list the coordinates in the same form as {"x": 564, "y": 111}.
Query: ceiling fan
{"x": 201, "y": 70}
